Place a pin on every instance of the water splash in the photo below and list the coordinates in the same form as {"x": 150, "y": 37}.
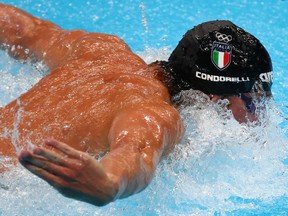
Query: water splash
{"x": 15, "y": 133}
{"x": 221, "y": 168}
{"x": 143, "y": 17}
{"x": 17, "y": 77}
{"x": 224, "y": 165}
{"x": 150, "y": 55}
{"x": 144, "y": 22}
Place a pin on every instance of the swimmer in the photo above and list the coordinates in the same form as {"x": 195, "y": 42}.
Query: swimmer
{"x": 106, "y": 117}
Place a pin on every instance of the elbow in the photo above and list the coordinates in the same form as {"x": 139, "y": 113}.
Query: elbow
{"x": 98, "y": 200}
{"x": 101, "y": 203}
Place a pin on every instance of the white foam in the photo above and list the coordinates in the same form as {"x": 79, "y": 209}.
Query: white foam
{"x": 17, "y": 78}
{"x": 150, "y": 55}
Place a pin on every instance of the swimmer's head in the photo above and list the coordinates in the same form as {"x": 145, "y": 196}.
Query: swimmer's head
{"x": 218, "y": 57}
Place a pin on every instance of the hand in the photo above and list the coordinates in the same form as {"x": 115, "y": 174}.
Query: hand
{"x": 73, "y": 173}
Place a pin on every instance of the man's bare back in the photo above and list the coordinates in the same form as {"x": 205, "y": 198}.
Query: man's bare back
{"x": 99, "y": 97}
{"x": 77, "y": 102}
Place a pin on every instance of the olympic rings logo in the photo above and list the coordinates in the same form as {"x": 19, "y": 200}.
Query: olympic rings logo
{"x": 223, "y": 37}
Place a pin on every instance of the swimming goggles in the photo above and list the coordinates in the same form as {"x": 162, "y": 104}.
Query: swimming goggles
{"x": 250, "y": 106}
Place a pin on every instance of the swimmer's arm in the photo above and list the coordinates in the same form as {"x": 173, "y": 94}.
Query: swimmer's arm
{"x": 138, "y": 140}
{"x": 24, "y": 35}
{"x": 20, "y": 31}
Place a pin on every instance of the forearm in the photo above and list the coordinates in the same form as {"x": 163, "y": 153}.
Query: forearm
{"x": 12, "y": 21}
{"x": 24, "y": 35}
{"x": 19, "y": 31}
{"x": 129, "y": 170}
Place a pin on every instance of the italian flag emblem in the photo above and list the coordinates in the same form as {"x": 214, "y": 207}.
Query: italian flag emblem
{"x": 221, "y": 55}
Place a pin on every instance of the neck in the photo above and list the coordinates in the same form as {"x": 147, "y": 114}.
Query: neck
{"x": 165, "y": 75}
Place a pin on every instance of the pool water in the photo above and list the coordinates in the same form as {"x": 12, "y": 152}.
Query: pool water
{"x": 221, "y": 167}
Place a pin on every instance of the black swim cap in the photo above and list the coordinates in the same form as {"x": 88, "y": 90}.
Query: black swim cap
{"x": 218, "y": 57}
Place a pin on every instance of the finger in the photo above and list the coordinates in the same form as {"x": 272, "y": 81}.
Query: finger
{"x": 50, "y": 178}
{"x": 59, "y": 183}
{"x": 25, "y": 156}
{"x": 52, "y": 156}
{"x": 64, "y": 148}
{"x": 39, "y": 165}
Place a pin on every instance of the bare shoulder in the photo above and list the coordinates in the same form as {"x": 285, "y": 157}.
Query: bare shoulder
{"x": 155, "y": 126}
